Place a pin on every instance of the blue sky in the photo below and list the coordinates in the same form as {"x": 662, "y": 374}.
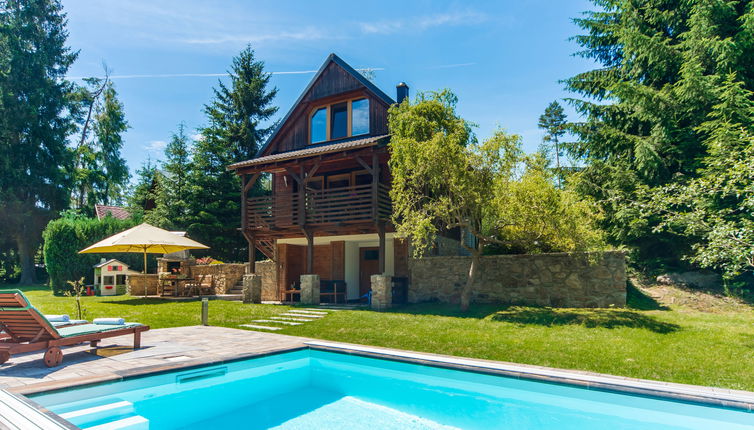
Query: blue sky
{"x": 502, "y": 58}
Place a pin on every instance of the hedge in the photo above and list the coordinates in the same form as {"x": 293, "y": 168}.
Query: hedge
{"x": 65, "y": 237}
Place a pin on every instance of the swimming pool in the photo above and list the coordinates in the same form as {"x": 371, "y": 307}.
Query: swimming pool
{"x": 313, "y": 389}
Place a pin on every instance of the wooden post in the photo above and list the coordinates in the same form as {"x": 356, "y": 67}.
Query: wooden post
{"x": 301, "y": 197}
{"x": 252, "y": 253}
{"x": 244, "y": 202}
{"x": 381, "y": 252}
{"x": 375, "y": 186}
{"x": 309, "y": 252}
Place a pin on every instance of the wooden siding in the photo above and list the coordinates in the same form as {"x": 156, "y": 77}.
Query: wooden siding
{"x": 334, "y": 83}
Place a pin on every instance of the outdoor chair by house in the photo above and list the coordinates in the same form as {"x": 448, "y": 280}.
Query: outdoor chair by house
{"x": 28, "y": 330}
{"x": 332, "y": 291}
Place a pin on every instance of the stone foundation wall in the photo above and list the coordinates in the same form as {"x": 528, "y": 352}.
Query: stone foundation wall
{"x": 135, "y": 284}
{"x": 268, "y": 271}
{"x": 223, "y": 276}
{"x": 562, "y": 279}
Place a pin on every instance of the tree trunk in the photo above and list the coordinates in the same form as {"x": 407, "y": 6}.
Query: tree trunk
{"x": 468, "y": 288}
{"x": 26, "y": 251}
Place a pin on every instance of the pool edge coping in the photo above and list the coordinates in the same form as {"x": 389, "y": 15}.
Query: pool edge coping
{"x": 698, "y": 394}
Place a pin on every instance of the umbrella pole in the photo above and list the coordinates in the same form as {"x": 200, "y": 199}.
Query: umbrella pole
{"x": 145, "y": 272}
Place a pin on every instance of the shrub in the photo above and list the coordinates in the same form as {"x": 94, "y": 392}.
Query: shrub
{"x": 65, "y": 237}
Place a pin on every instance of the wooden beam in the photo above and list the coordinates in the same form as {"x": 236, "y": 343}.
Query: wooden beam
{"x": 375, "y": 186}
{"x": 293, "y": 174}
{"x": 251, "y": 238}
{"x": 381, "y": 235}
{"x": 251, "y": 183}
{"x": 364, "y": 165}
{"x": 312, "y": 171}
{"x": 309, "y": 251}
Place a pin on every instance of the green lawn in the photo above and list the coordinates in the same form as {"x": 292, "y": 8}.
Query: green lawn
{"x": 676, "y": 344}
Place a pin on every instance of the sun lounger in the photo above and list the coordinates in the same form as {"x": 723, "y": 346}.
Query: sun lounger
{"x": 28, "y": 330}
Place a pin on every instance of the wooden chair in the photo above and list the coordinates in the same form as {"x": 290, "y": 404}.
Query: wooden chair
{"x": 28, "y": 330}
{"x": 332, "y": 290}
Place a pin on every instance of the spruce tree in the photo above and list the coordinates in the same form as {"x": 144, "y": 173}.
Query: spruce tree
{"x": 175, "y": 179}
{"x": 34, "y": 122}
{"x": 662, "y": 64}
{"x": 234, "y": 132}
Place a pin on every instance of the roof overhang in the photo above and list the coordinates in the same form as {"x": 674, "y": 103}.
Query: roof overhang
{"x": 313, "y": 151}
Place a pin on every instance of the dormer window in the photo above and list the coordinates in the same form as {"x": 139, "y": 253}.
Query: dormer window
{"x": 339, "y": 120}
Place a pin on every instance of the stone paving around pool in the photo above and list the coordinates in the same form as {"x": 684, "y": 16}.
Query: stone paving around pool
{"x": 162, "y": 349}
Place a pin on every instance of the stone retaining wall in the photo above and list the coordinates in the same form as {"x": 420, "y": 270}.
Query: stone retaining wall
{"x": 223, "y": 276}
{"x": 562, "y": 279}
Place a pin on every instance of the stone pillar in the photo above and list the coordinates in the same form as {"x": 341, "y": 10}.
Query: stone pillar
{"x": 252, "y": 289}
{"x": 382, "y": 292}
{"x": 309, "y": 289}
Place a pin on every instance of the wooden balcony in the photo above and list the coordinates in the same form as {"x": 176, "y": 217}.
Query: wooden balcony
{"x": 335, "y": 206}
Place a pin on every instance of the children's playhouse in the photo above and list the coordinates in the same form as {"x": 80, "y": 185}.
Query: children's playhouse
{"x": 110, "y": 277}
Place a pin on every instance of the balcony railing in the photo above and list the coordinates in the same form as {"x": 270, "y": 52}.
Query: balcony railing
{"x": 346, "y": 205}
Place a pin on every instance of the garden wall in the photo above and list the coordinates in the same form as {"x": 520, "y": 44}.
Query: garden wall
{"x": 561, "y": 280}
{"x": 222, "y": 276}
{"x": 135, "y": 284}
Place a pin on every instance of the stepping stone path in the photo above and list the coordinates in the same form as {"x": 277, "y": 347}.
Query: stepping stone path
{"x": 292, "y": 317}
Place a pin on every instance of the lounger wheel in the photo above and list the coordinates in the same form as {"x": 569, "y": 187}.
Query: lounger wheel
{"x": 53, "y": 356}
{"x": 4, "y": 356}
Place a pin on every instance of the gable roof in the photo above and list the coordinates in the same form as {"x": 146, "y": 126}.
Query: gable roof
{"x": 332, "y": 58}
{"x": 112, "y": 260}
{"x": 117, "y": 212}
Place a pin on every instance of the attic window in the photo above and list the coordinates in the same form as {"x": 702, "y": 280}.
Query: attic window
{"x": 319, "y": 125}
{"x": 339, "y": 120}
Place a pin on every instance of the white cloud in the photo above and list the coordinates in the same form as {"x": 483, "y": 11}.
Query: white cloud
{"x": 468, "y": 17}
{"x": 198, "y": 137}
{"x": 156, "y": 146}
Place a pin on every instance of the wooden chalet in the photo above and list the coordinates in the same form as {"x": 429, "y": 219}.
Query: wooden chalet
{"x": 328, "y": 212}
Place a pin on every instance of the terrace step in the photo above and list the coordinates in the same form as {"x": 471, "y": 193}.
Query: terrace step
{"x": 96, "y": 413}
{"x": 309, "y": 312}
{"x": 278, "y": 322}
{"x": 261, "y": 327}
{"x": 292, "y": 319}
{"x": 135, "y": 422}
{"x": 301, "y": 315}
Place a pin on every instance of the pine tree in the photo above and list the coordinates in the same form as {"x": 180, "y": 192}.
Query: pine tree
{"x": 109, "y": 126}
{"x": 661, "y": 66}
{"x": 234, "y": 133}
{"x": 554, "y": 121}
{"x": 100, "y": 174}
{"x": 34, "y": 121}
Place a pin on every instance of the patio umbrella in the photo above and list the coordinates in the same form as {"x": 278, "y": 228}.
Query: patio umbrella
{"x": 146, "y": 239}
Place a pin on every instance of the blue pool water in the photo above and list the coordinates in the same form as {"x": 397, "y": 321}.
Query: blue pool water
{"x": 310, "y": 389}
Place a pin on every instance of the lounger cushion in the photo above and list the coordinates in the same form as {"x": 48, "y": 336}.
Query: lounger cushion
{"x": 58, "y": 318}
{"x": 78, "y": 330}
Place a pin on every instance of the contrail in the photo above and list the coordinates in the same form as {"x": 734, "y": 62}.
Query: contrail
{"x": 206, "y": 75}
